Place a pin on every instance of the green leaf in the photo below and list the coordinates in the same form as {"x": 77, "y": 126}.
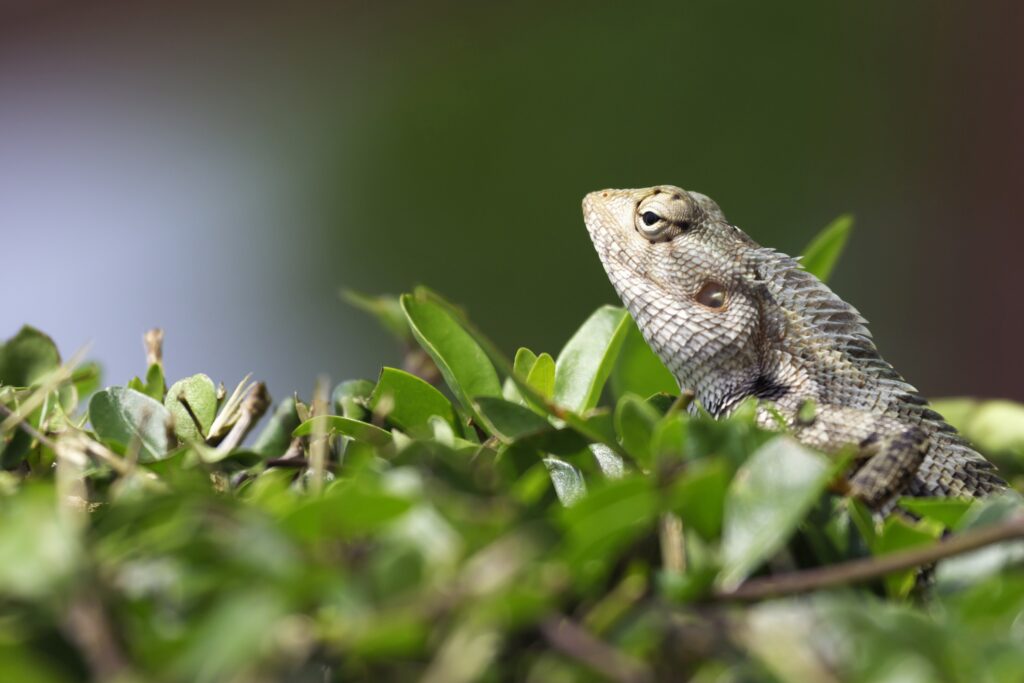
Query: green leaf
{"x": 386, "y": 309}
{"x": 17, "y": 446}
{"x": 669, "y": 438}
{"x": 993, "y": 426}
{"x": 334, "y": 424}
{"x": 639, "y": 370}
{"x": 567, "y": 481}
{"x": 542, "y": 376}
{"x": 698, "y": 496}
{"x": 276, "y": 436}
{"x": 409, "y": 402}
{"x": 352, "y": 398}
{"x": 603, "y": 522}
{"x": 228, "y": 636}
{"x": 635, "y": 421}
{"x": 957, "y": 411}
{"x": 823, "y": 252}
{"x": 768, "y": 498}
{"x": 946, "y": 511}
{"x": 193, "y": 403}
{"x": 596, "y": 426}
{"x": 536, "y": 371}
{"x": 86, "y": 379}
{"x": 524, "y": 361}
{"x": 609, "y": 462}
{"x": 463, "y": 364}
{"x": 39, "y": 542}
{"x": 901, "y": 534}
{"x": 586, "y": 361}
{"x": 389, "y": 636}
{"x": 155, "y": 382}
{"x": 970, "y": 568}
{"x": 355, "y": 508}
{"x": 521, "y": 366}
{"x": 127, "y": 417}
{"x": 863, "y": 520}
{"x": 19, "y": 664}
{"x": 228, "y": 461}
{"x": 513, "y": 422}
{"x": 27, "y": 357}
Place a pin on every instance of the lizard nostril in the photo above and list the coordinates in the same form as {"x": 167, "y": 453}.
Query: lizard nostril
{"x": 604, "y": 194}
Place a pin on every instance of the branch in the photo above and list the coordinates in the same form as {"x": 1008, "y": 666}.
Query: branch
{"x": 858, "y": 571}
{"x": 87, "y": 625}
{"x": 670, "y": 537}
{"x": 579, "y": 644}
{"x": 251, "y": 410}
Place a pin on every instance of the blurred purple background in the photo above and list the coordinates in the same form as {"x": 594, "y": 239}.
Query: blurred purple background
{"x": 222, "y": 170}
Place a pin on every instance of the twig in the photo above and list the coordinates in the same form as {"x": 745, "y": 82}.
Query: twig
{"x": 254, "y": 405}
{"x": 857, "y": 571}
{"x": 86, "y": 625}
{"x": 318, "y": 444}
{"x": 296, "y": 463}
{"x": 22, "y": 422}
{"x": 579, "y": 644}
{"x": 96, "y": 450}
{"x": 53, "y": 380}
{"x": 154, "y": 342}
{"x": 228, "y": 415}
{"x": 670, "y": 538}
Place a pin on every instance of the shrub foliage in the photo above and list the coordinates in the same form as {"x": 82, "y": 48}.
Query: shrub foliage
{"x": 472, "y": 517}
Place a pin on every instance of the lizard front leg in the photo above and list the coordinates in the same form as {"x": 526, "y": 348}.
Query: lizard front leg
{"x": 885, "y": 465}
{"x": 889, "y": 452}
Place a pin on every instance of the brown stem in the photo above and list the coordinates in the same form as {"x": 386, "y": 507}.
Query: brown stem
{"x": 252, "y": 409}
{"x": 86, "y": 625}
{"x": 579, "y": 644}
{"x": 857, "y": 571}
{"x": 670, "y": 537}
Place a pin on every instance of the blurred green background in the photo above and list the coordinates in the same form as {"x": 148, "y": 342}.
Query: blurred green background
{"x": 222, "y": 170}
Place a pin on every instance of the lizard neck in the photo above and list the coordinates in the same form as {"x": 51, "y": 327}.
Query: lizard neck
{"x": 720, "y": 394}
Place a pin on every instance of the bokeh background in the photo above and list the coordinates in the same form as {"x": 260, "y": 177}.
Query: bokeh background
{"x": 223, "y": 169}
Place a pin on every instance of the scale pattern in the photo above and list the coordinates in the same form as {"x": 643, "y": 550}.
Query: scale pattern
{"x": 732, "y": 319}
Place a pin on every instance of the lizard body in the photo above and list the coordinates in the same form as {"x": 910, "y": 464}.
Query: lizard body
{"x": 732, "y": 319}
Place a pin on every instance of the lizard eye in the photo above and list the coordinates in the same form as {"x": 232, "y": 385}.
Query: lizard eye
{"x": 651, "y": 225}
{"x": 712, "y": 295}
{"x": 663, "y": 215}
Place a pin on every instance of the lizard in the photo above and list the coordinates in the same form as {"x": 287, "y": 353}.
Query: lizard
{"x": 732, "y": 319}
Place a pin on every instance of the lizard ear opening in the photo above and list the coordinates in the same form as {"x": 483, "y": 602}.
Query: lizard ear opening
{"x": 712, "y": 295}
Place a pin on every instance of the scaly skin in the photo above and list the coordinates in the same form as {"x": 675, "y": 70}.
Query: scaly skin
{"x": 732, "y": 319}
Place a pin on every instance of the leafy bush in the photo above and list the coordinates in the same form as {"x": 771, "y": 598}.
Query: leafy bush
{"x": 479, "y": 519}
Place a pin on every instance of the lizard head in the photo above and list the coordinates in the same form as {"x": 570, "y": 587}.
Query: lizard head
{"x": 682, "y": 271}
